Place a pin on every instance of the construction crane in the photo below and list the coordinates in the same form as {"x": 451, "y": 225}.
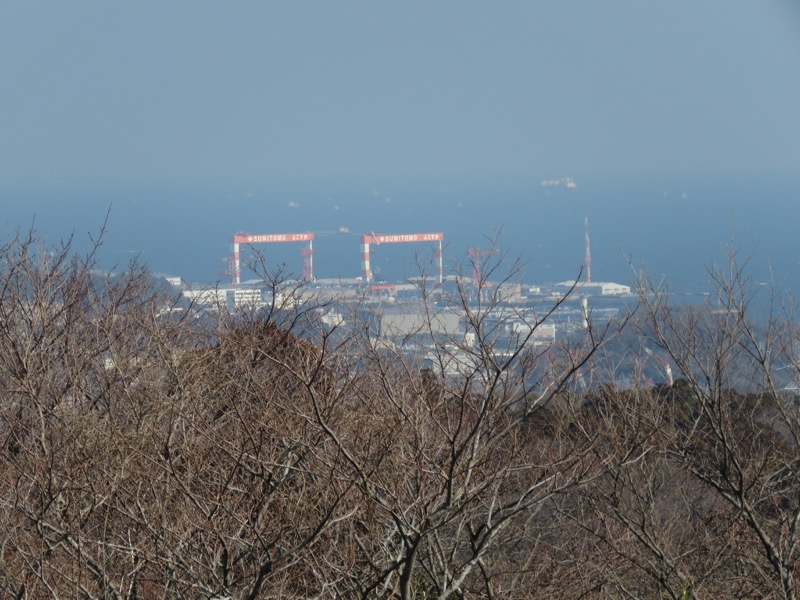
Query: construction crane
{"x": 476, "y": 257}
{"x": 399, "y": 238}
{"x": 268, "y": 238}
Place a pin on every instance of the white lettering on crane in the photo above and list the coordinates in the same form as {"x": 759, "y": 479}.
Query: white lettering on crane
{"x": 407, "y": 237}
{"x": 280, "y": 237}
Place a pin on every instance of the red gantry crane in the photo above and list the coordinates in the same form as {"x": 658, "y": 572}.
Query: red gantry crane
{"x": 374, "y": 238}
{"x": 247, "y": 238}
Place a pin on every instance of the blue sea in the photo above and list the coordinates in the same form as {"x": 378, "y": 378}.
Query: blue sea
{"x": 674, "y": 227}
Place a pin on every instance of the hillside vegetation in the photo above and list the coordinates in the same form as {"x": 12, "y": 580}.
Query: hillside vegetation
{"x": 155, "y": 453}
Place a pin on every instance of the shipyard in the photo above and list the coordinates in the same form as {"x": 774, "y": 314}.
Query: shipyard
{"x": 423, "y": 309}
{"x": 298, "y": 300}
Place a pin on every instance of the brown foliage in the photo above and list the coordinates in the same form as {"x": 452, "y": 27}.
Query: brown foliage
{"x": 147, "y": 456}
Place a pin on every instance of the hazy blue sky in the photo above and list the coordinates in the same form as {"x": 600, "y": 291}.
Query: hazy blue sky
{"x": 200, "y": 91}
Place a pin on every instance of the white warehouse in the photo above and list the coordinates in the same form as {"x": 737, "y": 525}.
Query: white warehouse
{"x": 596, "y": 288}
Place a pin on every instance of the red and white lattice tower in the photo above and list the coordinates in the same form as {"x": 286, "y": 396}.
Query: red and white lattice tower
{"x": 477, "y": 257}
{"x": 247, "y": 238}
{"x": 308, "y": 261}
{"x": 400, "y": 238}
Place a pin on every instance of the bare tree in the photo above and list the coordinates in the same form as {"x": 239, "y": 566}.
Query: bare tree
{"x": 451, "y": 463}
{"x": 739, "y": 430}
{"x": 155, "y": 452}
{"x": 61, "y": 325}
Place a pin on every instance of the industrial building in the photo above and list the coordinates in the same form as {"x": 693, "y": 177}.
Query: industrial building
{"x": 595, "y": 288}
{"x": 405, "y": 323}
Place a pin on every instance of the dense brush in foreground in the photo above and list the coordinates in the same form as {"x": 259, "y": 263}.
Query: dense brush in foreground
{"x": 272, "y": 455}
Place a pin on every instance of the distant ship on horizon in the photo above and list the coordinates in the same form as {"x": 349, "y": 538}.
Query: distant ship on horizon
{"x": 567, "y": 182}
